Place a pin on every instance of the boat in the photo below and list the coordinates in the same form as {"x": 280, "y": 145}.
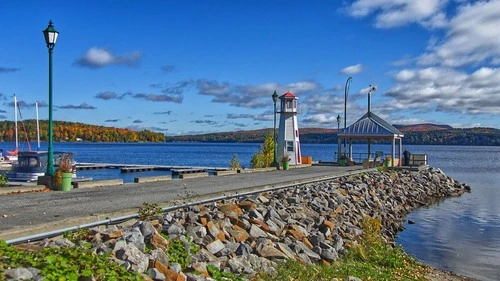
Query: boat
{"x": 32, "y": 164}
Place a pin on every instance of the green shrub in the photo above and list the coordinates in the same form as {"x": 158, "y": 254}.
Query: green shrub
{"x": 265, "y": 156}
{"x": 66, "y": 263}
{"x": 235, "y": 162}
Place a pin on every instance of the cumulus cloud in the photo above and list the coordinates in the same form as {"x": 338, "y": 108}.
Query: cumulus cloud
{"x": 8, "y": 69}
{"x": 208, "y": 122}
{"x": 112, "y": 120}
{"x": 446, "y": 89}
{"x": 168, "y": 68}
{"x": 159, "y": 98}
{"x": 353, "y": 69}
{"x": 239, "y": 116}
{"x": 472, "y": 37}
{"x": 109, "y": 96}
{"x": 168, "y": 112}
{"x": 250, "y": 96}
{"x": 99, "y": 57}
{"x": 319, "y": 119}
{"x": 3, "y": 116}
{"x": 23, "y": 104}
{"x": 81, "y": 106}
{"x": 390, "y": 13}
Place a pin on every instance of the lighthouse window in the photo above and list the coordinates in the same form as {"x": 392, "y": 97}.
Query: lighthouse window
{"x": 289, "y": 146}
{"x": 288, "y": 104}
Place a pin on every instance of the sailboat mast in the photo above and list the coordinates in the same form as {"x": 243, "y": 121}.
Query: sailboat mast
{"x": 37, "y": 128}
{"x": 15, "y": 121}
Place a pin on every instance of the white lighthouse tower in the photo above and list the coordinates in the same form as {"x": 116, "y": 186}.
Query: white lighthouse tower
{"x": 288, "y": 137}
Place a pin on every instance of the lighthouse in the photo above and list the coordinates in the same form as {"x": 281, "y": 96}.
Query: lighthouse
{"x": 288, "y": 137}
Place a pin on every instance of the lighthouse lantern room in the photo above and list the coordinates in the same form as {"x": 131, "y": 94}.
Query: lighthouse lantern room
{"x": 288, "y": 137}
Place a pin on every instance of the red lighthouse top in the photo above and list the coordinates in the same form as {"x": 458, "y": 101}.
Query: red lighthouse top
{"x": 288, "y": 95}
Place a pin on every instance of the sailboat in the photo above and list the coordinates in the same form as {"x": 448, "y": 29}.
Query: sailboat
{"x": 12, "y": 155}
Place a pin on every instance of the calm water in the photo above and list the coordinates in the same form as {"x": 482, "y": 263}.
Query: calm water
{"x": 460, "y": 234}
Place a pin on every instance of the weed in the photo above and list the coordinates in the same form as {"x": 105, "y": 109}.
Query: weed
{"x": 218, "y": 275}
{"x": 148, "y": 211}
{"x": 3, "y": 180}
{"x": 370, "y": 259}
{"x": 235, "y": 162}
{"x": 181, "y": 253}
{"x": 66, "y": 263}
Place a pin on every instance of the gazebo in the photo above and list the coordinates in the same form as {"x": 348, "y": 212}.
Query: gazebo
{"x": 369, "y": 127}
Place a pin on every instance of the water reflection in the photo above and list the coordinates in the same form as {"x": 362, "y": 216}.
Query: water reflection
{"x": 461, "y": 234}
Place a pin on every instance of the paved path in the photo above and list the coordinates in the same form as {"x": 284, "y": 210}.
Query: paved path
{"x": 29, "y": 213}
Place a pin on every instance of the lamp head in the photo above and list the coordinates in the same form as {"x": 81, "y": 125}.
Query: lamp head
{"x": 275, "y": 97}
{"x": 50, "y": 34}
{"x": 338, "y": 119}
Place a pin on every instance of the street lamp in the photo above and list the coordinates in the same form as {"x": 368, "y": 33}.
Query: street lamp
{"x": 50, "y": 35}
{"x": 346, "y": 93}
{"x": 338, "y": 131}
{"x": 275, "y": 160}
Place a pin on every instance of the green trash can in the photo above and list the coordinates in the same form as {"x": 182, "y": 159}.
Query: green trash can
{"x": 387, "y": 162}
{"x": 66, "y": 182}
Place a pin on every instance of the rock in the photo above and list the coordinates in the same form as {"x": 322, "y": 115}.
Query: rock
{"x": 147, "y": 229}
{"x": 160, "y": 256}
{"x": 155, "y": 274}
{"x": 159, "y": 241}
{"x": 176, "y": 229}
{"x": 19, "y": 273}
{"x": 174, "y": 266}
{"x": 269, "y": 251}
{"x": 131, "y": 254}
{"x": 256, "y": 232}
{"x": 231, "y": 210}
{"x": 215, "y": 246}
{"x": 239, "y": 235}
{"x": 200, "y": 267}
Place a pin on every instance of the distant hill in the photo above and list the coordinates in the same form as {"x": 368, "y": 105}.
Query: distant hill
{"x": 430, "y": 134}
{"x": 422, "y": 127}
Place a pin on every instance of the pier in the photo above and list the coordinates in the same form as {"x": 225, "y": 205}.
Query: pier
{"x": 131, "y": 168}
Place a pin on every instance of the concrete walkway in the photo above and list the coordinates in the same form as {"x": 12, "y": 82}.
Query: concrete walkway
{"x": 28, "y": 213}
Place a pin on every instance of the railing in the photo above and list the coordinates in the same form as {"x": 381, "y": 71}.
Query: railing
{"x": 414, "y": 159}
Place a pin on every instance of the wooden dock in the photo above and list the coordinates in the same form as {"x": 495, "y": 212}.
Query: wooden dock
{"x": 130, "y": 168}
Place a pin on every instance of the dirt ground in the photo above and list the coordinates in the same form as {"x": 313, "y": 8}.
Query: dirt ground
{"x": 442, "y": 275}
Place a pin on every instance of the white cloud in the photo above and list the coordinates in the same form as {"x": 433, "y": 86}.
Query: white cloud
{"x": 447, "y": 90}
{"x": 392, "y": 13}
{"x": 472, "y": 37}
{"x": 99, "y": 57}
{"x": 352, "y": 69}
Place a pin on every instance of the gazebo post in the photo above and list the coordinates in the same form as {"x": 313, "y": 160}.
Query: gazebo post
{"x": 393, "y": 150}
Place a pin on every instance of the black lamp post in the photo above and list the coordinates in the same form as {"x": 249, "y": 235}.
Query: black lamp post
{"x": 275, "y": 160}
{"x": 50, "y": 35}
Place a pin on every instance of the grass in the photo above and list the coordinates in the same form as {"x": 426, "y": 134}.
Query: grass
{"x": 370, "y": 259}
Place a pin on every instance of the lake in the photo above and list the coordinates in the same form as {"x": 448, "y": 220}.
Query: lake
{"x": 459, "y": 234}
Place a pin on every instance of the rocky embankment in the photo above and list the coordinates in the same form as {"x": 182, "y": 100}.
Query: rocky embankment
{"x": 311, "y": 223}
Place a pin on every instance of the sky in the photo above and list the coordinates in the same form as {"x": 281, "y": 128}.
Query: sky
{"x": 193, "y": 67}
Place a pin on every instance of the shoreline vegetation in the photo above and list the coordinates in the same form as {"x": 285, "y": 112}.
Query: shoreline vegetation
{"x": 341, "y": 229}
{"x": 421, "y": 134}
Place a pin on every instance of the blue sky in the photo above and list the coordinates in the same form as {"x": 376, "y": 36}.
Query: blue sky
{"x": 190, "y": 67}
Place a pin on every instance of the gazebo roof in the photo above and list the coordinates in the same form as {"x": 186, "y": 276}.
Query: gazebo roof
{"x": 371, "y": 126}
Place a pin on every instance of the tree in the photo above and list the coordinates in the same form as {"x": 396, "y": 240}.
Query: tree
{"x": 265, "y": 156}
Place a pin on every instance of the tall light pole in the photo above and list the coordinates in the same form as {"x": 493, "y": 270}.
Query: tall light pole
{"x": 346, "y": 93}
{"x": 50, "y": 35}
{"x": 338, "y": 131}
{"x": 275, "y": 160}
